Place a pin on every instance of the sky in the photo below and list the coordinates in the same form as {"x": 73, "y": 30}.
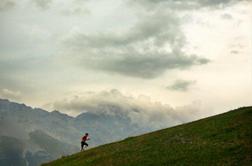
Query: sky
{"x": 74, "y": 55}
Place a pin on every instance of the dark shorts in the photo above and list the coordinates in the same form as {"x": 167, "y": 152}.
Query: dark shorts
{"x": 83, "y": 143}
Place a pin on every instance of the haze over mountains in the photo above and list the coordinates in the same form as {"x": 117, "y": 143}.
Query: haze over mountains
{"x": 30, "y": 136}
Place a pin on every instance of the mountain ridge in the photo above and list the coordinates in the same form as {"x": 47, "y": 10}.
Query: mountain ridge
{"x": 18, "y": 121}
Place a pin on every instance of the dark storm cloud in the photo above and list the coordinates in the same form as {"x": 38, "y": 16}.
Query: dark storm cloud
{"x": 151, "y": 66}
{"x": 139, "y": 52}
{"x": 6, "y": 5}
{"x": 181, "y": 85}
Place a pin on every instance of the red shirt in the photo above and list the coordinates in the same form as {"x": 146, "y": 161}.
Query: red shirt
{"x": 84, "y": 138}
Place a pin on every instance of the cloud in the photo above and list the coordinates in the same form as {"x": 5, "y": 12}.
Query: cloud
{"x": 76, "y": 7}
{"x": 234, "y": 52}
{"x": 214, "y": 3}
{"x": 6, "y": 5}
{"x": 43, "y": 4}
{"x": 152, "y": 65}
{"x": 142, "y": 111}
{"x": 75, "y": 11}
{"x": 226, "y": 16}
{"x": 9, "y": 94}
{"x": 147, "y": 50}
{"x": 152, "y": 28}
{"x": 181, "y": 85}
{"x": 182, "y": 5}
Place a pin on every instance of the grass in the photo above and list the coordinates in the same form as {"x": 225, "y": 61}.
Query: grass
{"x": 224, "y": 139}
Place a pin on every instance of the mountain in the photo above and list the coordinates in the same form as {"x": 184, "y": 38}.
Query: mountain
{"x": 225, "y": 139}
{"x": 44, "y": 136}
{"x": 107, "y": 128}
{"x": 50, "y": 144}
{"x": 11, "y": 151}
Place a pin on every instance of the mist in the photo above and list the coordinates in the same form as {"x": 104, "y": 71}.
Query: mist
{"x": 141, "y": 110}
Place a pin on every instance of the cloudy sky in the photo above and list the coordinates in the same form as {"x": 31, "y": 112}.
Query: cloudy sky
{"x": 70, "y": 54}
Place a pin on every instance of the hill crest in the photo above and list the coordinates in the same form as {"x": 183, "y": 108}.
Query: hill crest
{"x": 224, "y": 139}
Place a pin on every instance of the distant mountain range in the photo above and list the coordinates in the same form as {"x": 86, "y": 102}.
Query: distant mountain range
{"x": 31, "y": 136}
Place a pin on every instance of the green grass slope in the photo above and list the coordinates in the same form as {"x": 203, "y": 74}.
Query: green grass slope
{"x": 224, "y": 139}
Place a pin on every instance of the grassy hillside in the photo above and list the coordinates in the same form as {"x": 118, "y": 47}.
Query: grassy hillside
{"x": 224, "y": 139}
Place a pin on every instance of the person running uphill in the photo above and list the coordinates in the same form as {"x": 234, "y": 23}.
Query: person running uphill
{"x": 83, "y": 141}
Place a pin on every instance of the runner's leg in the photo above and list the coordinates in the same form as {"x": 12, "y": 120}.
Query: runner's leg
{"x": 82, "y": 145}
